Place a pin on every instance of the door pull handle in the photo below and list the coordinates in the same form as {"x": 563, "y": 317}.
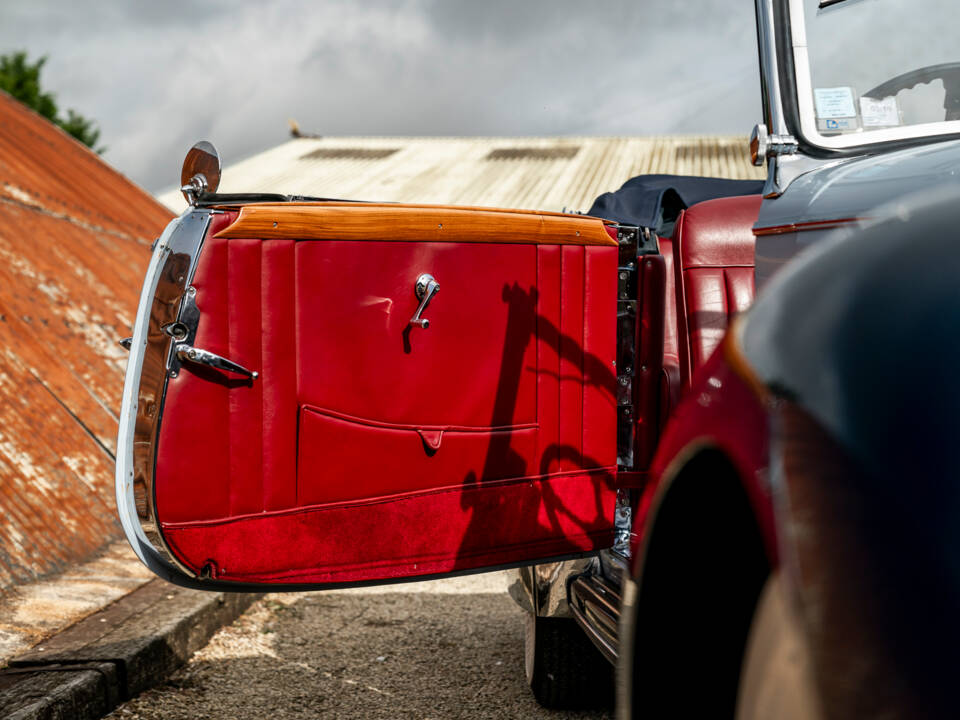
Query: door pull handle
{"x": 425, "y": 288}
{"x": 189, "y": 354}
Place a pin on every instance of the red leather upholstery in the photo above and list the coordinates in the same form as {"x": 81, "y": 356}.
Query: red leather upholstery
{"x": 670, "y": 385}
{"x": 367, "y": 449}
{"x": 651, "y": 282}
{"x": 409, "y": 535}
{"x": 713, "y": 268}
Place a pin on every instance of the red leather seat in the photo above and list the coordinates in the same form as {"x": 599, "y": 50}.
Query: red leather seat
{"x": 671, "y": 382}
{"x": 713, "y": 258}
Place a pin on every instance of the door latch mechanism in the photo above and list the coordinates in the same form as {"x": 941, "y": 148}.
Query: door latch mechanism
{"x": 184, "y": 331}
{"x": 187, "y": 353}
{"x": 425, "y": 288}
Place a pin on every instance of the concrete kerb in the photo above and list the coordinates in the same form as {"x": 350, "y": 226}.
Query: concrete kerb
{"x": 135, "y": 643}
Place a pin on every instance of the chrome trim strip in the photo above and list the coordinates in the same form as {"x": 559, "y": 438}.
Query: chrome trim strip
{"x": 600, "y": 641}
{"x": 768, "y": 66}
{"x": 591, "y": 590}
{"x": 595, "y": 605}
{"x": 781, "y": 169}
{"x": 171, "y": 267}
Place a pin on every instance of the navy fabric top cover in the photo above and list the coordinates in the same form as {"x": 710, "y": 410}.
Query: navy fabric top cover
{"x": 654, "y": 201}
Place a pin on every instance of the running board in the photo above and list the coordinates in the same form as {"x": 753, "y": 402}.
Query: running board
{"x": 595, "y": 605}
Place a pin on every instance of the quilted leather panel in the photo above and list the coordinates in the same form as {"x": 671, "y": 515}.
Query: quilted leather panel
{"x": 714, "y": 296}
{"x": 548, "y": 356}
{"x": 570, "y": 447}
{"x": 509, "y": 394}
{"x": 714, "y": 261}
{"x": 599, "y": 426}
{"x": 278, "y": 316}
{"x": 671, "y": 329}
{"x": 245, "y": 408}
{"x": 718, "y": 233}
{"x": 671, "y": 351}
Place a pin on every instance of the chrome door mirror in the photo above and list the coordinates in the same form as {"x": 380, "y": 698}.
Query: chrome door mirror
{"x": 201, "y": 171}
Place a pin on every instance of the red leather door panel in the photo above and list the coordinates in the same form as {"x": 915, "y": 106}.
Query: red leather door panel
{"x": 354, "y": 302}
{"x": 370, "y": 449}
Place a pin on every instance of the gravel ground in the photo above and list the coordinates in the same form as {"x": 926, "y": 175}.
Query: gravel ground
{"x": 447, "y": 653}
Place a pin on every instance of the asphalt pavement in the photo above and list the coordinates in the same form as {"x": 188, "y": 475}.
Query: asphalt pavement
{"x": 444, "y": 649}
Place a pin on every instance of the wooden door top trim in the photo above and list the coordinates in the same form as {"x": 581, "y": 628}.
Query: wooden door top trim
{"x": 414, "y": 223}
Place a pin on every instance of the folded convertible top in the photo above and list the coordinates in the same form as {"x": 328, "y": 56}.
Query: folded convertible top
{"x": 655, "y": 201}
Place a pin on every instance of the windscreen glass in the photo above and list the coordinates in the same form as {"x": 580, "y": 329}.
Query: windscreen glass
{"x": 867, "y": 68}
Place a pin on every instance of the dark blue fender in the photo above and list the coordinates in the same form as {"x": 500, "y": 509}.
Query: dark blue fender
{"x": 858, "y": 341}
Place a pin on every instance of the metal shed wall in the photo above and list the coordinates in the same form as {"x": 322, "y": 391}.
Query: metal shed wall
{"x": 530, "y": 173}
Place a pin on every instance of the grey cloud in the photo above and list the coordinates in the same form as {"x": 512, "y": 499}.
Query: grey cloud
{"x": 158, "y": 76}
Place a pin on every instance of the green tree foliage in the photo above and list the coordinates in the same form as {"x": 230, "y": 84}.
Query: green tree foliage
{"x": 82, "y": 129}
{"x": 21, "y": 79}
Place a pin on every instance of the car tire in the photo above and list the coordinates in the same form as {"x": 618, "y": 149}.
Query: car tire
{"x": 776, "y": 676}
{"x": 564, "y": 669}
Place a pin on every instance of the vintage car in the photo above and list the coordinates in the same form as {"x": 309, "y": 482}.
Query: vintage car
{"x": 748, "y": 507}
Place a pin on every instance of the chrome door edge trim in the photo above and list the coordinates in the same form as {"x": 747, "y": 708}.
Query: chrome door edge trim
{"x": 158, "y": 559}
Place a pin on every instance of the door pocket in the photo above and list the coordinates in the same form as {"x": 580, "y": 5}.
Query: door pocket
{"x": 341, "y": 457}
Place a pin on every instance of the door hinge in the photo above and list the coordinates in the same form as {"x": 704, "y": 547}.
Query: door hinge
{"x": 626, "y": 342}
{"x": 633, "y": 241}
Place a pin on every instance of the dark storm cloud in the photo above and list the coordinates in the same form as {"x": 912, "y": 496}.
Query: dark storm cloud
{"x": 158, "y": 76}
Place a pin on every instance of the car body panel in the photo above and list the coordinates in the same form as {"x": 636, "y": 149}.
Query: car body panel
{"x": 860, "y": 368}
{"x": 842, "y": 193}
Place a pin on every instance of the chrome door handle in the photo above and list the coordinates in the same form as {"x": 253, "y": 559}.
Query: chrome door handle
{"x": 425, "y": 288}
{"x": 186, "y": 353}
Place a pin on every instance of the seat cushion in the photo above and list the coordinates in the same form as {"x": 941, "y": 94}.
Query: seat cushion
{"x": 713, "y": 269}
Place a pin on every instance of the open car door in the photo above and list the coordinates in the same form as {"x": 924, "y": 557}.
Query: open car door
{"x": 326, "y": 393}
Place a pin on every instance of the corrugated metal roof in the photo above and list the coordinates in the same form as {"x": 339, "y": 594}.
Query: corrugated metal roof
{"x": 528, "y": 173}
{"x": 74, "y": 244}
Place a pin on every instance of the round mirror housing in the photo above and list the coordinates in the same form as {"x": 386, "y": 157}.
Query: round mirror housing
{"x": 759, "y": 143}
{"x": 763, "y": 145}
{"x": 201, "y": 171}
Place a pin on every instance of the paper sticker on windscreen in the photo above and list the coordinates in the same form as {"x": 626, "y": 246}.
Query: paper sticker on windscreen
{"x": 833, "y": 103}
{"x": 836, "y": 111}
{"x": 879, "y": 113}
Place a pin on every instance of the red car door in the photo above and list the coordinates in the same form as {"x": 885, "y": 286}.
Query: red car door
{"x": 325, "y": 393}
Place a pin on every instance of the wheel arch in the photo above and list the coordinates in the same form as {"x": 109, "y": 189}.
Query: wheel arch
{"x": 687, "y": 608}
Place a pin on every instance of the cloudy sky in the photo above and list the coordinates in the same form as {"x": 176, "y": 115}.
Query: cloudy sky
{"x": 158, "y": 76}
